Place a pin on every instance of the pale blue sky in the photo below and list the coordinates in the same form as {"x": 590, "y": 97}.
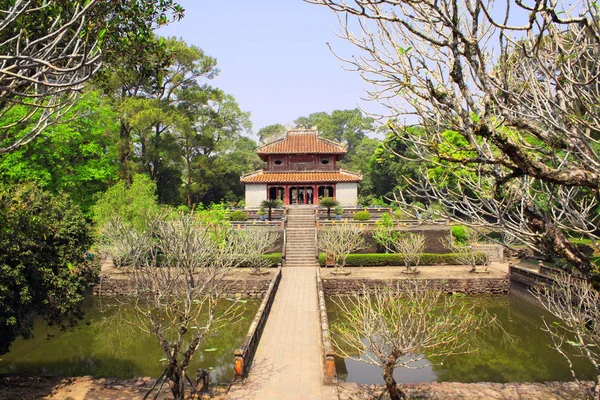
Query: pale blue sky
{"x": 273, "y": 56}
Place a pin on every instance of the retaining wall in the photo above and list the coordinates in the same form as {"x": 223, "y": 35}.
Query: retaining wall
{"x": 468, "y": 286}
{"x": 254, "y": 288}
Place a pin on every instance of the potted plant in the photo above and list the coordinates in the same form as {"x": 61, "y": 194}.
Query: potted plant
{"x": 339, "y": 211}
{"x": 262, "y": 215}
{"x": 328, "y": 203}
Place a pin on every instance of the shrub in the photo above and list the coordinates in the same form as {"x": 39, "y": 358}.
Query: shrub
{"x": 383, "y": 260}
{"x": 273, "y": 259}
{"x": 44, "y": 271}
{"x": 362, "y": 216}
{"x": 238, "y": 215}
{"x": 459, "y": 233}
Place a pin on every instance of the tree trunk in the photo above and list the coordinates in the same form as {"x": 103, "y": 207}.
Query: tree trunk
{"x": 554, "y": 242}
{"x": 125, "y": 152}
{"x": 270, "y": 209}
{"x": 390, "y": 383}
{"x": 177, "y": 381}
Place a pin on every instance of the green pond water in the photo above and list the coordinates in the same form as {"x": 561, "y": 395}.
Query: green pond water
{"x": 106, "y": 345}
{"x": 527, "y": 358}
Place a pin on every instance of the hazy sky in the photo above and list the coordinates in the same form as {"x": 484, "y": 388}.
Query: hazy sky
{"x": 273, "y": 56}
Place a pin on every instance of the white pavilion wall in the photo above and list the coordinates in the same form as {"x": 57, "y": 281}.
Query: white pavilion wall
{"x": 347, "y": 194}
{"x": 255, "y": 194}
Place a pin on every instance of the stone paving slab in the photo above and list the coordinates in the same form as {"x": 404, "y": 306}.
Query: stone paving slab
{"x": 288, "y": 362}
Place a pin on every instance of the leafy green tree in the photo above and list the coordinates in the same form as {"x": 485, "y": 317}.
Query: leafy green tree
{"x": 52, "y": 49}
{"x": 271, "y": 132}
{"x": 133, "y": 204}
{"x": 43, "y": 269}
{"x": 76, "y": 157}
{"x": 346, "y": 126}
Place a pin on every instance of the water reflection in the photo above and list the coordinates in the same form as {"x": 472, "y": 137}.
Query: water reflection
{"x": 104, "y": 345}
{"x": 527, "y": 357}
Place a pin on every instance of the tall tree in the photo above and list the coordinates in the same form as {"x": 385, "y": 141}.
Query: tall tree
{"x": 518, "y": 130}
{"x": 271, "y": 132}
{"x": 76, "y": 157}
{"x": 51, "y": 49}
{"x": 346, "y": 126}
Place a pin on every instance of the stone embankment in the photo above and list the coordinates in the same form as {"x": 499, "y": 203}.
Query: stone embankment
{"x": 474, "y": 391}
{"x": 246, "y": 287}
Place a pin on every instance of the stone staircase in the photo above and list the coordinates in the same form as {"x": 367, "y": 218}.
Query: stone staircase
{"x": 300, "y": 231}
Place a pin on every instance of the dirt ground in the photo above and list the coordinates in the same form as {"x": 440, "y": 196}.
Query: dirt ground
{"x": 496, "y": 270}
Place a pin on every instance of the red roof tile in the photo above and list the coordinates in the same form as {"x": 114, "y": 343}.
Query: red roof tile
{"x": 302, "y": 141}
{"x": 301, "y": 177}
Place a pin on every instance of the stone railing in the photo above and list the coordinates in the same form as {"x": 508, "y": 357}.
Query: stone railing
{"x": 245, "y": 354}
{"x": 328, "y": 353}
{"x": 527, "y": 277}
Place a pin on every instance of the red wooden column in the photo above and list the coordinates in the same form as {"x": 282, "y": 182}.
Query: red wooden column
{"x": 286, "y": 195}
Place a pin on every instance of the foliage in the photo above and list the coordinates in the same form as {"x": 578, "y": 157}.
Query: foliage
{"x": 76, "y": 157}
{"x": 459, "y": 234}
{"x": 405, "y": 327}
{"x": 43, "y": 268}
{"x": 270, "y": 205}
{"x": 238, "y": 215}
{"x": 134, "y": 204}
{"x": 270, "y": 133}
{"x": 362, "y": 216}
{"x": 339, "y": 211}
{"x": 269, "y": 260}
{"x": 329, "y": 203}
{"x": 505, "y": 136}
{"x": 383, "y": 260}
{"x": 52, "y": 49}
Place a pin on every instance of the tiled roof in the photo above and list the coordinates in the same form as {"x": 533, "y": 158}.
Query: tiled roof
{"x": 302, "y": 141}
{"x": 301, "y": 177}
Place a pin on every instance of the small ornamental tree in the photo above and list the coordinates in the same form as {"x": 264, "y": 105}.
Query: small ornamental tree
{"x": 43, "y": 268}
{"x": 398, "y": 327}
{"x": 466, "y": 252}
{"x": 180, "y": 265}
{"x": 577, "y": 335}
{"x": 270, "y": 205}
{"x": 254, "y": 243}
{"x": 328, "y": 203}
{"x": 339, "y": 241}
{"x": 411, "y": 246}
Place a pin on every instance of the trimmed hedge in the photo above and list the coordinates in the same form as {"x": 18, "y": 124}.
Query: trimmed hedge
{"x": 382, "y": 260}
{"x": 238, "y": 215}
{"x": 362, "y": 216}
{"x": 273, "y": 258}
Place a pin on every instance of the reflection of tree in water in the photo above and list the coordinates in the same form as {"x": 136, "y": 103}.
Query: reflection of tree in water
{"x": 105, "y": 345}
{"x": 518, "y": 351}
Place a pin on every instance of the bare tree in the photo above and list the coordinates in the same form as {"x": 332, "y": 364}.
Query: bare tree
{"x": 177, "y": 281}
{"x": 575, "y": 303}
{"x": 504, "y": 106}
{"x": 467, "y": 252}
{"x": 255, "y": 243}
{"x": 339, "y": 241}
{"x": 50, "y": 50}
{"x": 408, "y": 326}
{"x": 410, "y": 246}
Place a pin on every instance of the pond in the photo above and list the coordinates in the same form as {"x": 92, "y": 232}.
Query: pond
{"x": 527, "y": 358}
{"x": 106, "y": 345}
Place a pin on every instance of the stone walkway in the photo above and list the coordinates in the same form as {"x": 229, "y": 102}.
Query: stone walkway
{"x": 288, "y": 361}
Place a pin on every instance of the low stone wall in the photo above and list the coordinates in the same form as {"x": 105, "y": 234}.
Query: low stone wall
{"x": 328, "y": 353}
{"x": 245, "y": 354}
{"x": 497, "y": 285}
{"x": 494, "y": 252}
{"x": 253, "y": 288}
{"x": 474, "y": 391}
{"x": 527, "y": 278}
